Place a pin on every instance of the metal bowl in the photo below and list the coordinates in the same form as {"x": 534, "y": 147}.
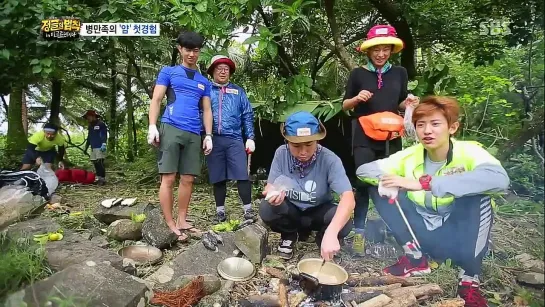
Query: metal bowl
{"x": 141, "y": 254}
{"x": 236, "y": 269}
{"x": 330, "y": 273}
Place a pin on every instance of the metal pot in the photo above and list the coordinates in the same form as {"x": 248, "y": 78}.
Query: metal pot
{"x": 322, "y": 283}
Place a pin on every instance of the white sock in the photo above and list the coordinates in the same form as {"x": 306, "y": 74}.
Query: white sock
{"x": 410, "y": 248}
{"x": 247, "y": 207}
{"x": 220, "y": 209}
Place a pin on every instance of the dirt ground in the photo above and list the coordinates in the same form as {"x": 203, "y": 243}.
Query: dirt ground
{"x": 514, "y": 233}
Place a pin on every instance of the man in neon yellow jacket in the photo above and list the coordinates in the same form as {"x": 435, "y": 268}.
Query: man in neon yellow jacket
{"x": 446, "y": 188}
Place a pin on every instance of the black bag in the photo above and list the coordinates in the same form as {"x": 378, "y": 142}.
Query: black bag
{"x": 29, "y": 179}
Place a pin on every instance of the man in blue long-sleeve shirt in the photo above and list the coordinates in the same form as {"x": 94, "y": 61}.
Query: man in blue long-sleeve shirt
{"x": 96, "y": 139}
{"x": 233, "y": 120}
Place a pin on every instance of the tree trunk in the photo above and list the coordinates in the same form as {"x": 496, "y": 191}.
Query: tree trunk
{"x": 130, "y": 115}
{"x": 113, "y": 101}
{"x": 174, "y": 56}
{"x": 24, "y": 111}
{"x": 16, "y": 138}
{"x": 135, "y": 144}
{"x": 530, "y": 130}
{"x": 55, "y": 101}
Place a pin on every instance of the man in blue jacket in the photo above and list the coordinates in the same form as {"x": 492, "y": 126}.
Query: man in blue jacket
{"x": 233, "y": 122}
{"x": 96, "y": 139}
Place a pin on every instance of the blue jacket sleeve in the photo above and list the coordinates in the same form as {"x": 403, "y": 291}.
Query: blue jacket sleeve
{"x": 88, "y": 142}
{"x": 247, "y": 116}
{"x": 103, "y": 132}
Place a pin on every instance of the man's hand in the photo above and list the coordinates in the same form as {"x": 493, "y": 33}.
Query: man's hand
{"x": 103, "y": 147}
{"x": 250, "y": 146}
{"x": 364, "y": 95}
{"x": 390, "y": 192}
{"x": 275, "y": 198}
{"x": 394, "y": 181}
{"x": 153, "y": 135}
{"x": 411, "y": 100}
{"x": 207, "y": 145}
{"x": 330, "y": 246}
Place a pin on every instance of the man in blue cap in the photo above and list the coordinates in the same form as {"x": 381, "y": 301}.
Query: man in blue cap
{"x": 298, "y": 196}
{"x": 233, "y": 122}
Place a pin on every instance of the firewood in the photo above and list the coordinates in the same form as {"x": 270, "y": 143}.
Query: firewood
{"x": 417, "y": 291}
{"x": 378, "y": 301}
{"x": 353, "y": 304}
{"x": 403, "y": 301}
{"x": 283, "y": 293}
{"x": 378, "y": 288}
{"x": 359, "y": 297}
{"x": 456, "y": 302}
{"x": 356, "y": 281}
{"x": 265, "y": 300}
{"x": 274, "y": 272}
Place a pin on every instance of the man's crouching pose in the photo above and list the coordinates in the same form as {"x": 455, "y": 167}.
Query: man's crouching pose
{"x": 446, "y": 187}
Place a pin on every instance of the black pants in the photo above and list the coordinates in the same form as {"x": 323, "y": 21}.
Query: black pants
{"x": 100, "y": 168}
{"x": 287, "y": 219}
{"x": 463, "y": 237}
{"x": 364, "y": 155}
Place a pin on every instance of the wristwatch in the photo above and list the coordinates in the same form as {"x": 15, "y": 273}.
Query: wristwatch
{"x": 425, "y": 182}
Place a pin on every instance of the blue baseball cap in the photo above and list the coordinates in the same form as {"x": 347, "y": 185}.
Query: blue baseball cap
{"x": 302, "y": 127}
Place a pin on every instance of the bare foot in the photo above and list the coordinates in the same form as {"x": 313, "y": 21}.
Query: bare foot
{"x": 181, "y": 236}
{"x": 186, "y": 227}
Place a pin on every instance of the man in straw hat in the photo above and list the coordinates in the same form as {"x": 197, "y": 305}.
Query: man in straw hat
{"x": 298, "y": 196}
{"x": 96, "y": 139}
{"x": 372, "y": 91}
{"x": 233, "y": 122}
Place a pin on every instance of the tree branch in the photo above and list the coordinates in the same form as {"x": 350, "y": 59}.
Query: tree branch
{"x": 394, "y": 16}
{"x": 339, "y": 48}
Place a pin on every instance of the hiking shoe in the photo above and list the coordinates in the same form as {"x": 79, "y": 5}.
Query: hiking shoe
{"x": 471, "y": 294}
{"x": 287, "y": 245}
{"x": 304, "y": 235}
{"x": 407, "y": 266}
{"x": 221, "y": 216}
{"x": 250, "y": 215}
{"x": 358, "y": 244}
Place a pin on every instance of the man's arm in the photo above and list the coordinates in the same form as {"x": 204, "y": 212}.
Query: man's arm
{"x": 207, "y": 114}
{"x": 103, "y": 132}
{"x": 155, "y": 105}
{"x": 487, "y": 176}
{"x": 340, "y": 184}
{"x": 276, "y": 170}
{"x": 247, "y": 116}
{"x": 371, "y": 172}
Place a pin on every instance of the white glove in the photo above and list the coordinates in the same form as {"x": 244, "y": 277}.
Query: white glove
{"x": 207, "y": 144}
{"x": 391, "y": 192}
{"x": 250, "y": 146}
{"x": 153, "y": 135}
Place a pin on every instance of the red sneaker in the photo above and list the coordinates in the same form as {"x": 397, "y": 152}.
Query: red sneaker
{"x": 407, "y": 266}
{"x": 471, "y": 294}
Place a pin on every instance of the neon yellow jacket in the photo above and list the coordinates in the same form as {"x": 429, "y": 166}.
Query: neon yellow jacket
{"x": 469, "y": 170}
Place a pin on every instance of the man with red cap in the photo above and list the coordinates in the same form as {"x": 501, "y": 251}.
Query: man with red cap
{"x": 233, "y": 122}
{"x": 96, "y": 139}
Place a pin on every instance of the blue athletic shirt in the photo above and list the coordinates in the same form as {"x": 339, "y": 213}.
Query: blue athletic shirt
{"x": 185, "y": 88}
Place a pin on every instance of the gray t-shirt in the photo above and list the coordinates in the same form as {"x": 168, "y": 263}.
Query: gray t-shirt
{"x": 325, "y": 175}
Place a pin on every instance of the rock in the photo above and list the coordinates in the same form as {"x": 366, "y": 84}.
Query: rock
{"x": 15, "y": 203}
{"x": 274, "y": 283}
{"x": 55, "y": 199}
{"x": 122, "y": 230}
{"x": 87, "y": 284}
{"x": 155, "y": 230}
{"x": 252, "y": 241}
{"x": 531, "y": 278}
{"x": 529, "y": 262}
{"x": 196, "y": 260}
{"x": 375, "y": 231}
{"x": 109, "y": 215}
{"x": 100, "y": 241}
{"x": 211, "y": 283}
{"x": 72, "y": 249}
{"x": 218, "y": 299}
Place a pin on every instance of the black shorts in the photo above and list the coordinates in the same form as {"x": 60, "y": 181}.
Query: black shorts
{"x": 47, "y": 156}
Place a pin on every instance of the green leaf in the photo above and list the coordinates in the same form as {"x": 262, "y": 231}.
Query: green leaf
{"x": 112, "y": 9}
{"x": 46, "y": 62}
{"x": 103, "y": 9}
{"x": 201, "y": 6}
{"x": 79, "y": 44}
{"x": 308, "y": 107}
{"x": 48, "y": 70}
{"x": 5, "y": 53}
{"x": 251, "y": 40}
{"x": 272, "y": 49}
{"x": 37, "y": 69}
{"x": 34, "y": 62}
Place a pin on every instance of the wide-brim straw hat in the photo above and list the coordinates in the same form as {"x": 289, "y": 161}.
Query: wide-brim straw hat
{"x": 382, "y": 35}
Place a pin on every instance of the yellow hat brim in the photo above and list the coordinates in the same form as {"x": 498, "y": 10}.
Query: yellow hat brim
{"x": 398, "y": 44}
